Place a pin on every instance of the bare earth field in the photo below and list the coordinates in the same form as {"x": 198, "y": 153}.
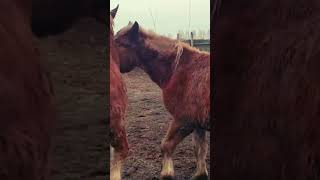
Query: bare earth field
{"x": 77, "y": 61}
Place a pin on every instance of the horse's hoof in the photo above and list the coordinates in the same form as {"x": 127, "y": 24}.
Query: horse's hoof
{"x": 167, "y": 178}
{"x": 200, "y": 177}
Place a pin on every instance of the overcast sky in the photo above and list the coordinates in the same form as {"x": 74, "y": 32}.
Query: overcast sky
{"x": 170, "y": 15}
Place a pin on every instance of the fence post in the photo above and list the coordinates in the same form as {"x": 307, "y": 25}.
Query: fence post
{"x": 191, "y": 40}
{"x": 178, "y": 37}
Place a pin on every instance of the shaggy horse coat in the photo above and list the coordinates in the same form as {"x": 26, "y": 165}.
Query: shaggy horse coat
{"x": 267, "y": 84}
{"x": 26, "y": 107}
{"x": 118, "y": 105}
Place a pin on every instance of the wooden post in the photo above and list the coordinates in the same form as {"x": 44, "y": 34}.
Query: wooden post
{"x": 178, "y": 37}
{"x": 191, "y": 40}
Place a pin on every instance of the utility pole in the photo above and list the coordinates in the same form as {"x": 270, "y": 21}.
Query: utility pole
{"x": 191, "y": 40}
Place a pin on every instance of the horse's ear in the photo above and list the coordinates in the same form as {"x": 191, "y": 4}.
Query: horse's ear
{"x": 114, "y": 11}
{"x": 134, "y": 32}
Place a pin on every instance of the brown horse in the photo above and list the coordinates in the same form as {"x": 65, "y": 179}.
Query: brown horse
{"x": 183, "y": 74}
{"x": 267, "y": 83}
{"x": 118, "y": 105}
{"x": 26, "y": 107}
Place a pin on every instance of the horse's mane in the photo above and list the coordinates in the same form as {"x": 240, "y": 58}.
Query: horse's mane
{"x": 176, "y": 43}
{"x": 177, "y": 46}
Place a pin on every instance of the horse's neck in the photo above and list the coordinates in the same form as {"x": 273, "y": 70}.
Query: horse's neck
{"x": 161, "y": 71}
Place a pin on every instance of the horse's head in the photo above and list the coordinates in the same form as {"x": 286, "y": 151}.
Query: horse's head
{"x": 50, "y": 17}
{"x": 157, "y": 55}
{"x": 146, "y": 49}
{"x": 128, "y": 40}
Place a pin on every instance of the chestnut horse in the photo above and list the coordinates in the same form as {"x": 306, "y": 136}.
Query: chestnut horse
{"x": 267, "y": 82}
{"x": 183, "y": 74}
{"x": 26, "y": 107}
{"x": 118, "y": 105}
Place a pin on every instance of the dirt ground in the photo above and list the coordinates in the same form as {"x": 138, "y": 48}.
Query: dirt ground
{"x": 77, "y": 61}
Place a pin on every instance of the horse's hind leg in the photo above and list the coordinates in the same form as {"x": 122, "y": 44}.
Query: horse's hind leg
{"x": 176, "y": 133}
{"x": 200, "y": 149}
{"x": 118, "y": 152}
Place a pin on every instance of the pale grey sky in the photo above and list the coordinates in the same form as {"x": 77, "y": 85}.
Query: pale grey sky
{"x": 170, "y": 15}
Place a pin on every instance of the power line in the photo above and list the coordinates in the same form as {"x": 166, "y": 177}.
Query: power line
{"x": 189, "y": 18}
{"x": 153, "y": 20}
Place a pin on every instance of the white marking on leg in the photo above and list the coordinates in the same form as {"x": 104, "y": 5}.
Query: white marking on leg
{"x": 167, "y": 168}
{"x": 115, "y": 166}
{"x": 176, "y": 133}
{"x": 115, "y": 173}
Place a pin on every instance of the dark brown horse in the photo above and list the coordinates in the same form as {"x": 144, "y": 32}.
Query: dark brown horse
{"x": 267, "y": 82}
{"x": 183, "y": 74}
{"x": 26, "y": 107}
{"x": 118, "y": 105}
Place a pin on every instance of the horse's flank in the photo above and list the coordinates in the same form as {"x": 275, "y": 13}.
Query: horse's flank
{"x": 190, "y": 77}
{"x": 187, "y": 94}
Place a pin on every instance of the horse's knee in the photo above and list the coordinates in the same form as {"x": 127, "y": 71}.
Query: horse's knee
{"x": 166, "y": 147}
{"x": 163, "y": 146}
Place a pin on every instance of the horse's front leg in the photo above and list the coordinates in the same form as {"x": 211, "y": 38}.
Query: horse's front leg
{"x": 119, "y": 151}
{"x": 178, "y": 130}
